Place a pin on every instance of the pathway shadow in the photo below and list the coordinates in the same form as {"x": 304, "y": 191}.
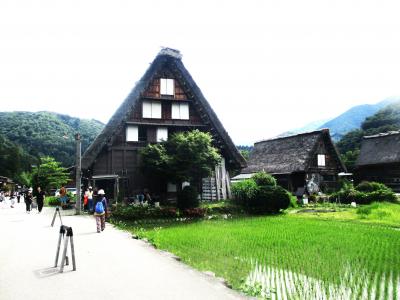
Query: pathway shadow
{"x": 86, "y": 233}
{"x": 47, "y": 272}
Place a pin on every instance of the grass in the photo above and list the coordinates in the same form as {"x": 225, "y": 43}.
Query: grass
{"x": 327, "y": 255}
{"x": 378, "y": 213}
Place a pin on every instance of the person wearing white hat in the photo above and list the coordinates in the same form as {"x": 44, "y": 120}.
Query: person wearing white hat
{"x": 90, "y": 199}
{"x": 100, "y": 208}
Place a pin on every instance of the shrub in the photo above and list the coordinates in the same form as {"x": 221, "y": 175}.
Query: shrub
{"x": 260, "y": 194}
{"x": 267, "y": 199}
{"x": 244, "y": 190}
{"x": 264, "y": 179}
{"x": 134, "y": 213}
{"x": 52, "y": 201}
{"x": 365, "y": 193}
{"x": 293, "y": 201}
{"x": 371, "y": 186}
{"x": 188, "y": 198}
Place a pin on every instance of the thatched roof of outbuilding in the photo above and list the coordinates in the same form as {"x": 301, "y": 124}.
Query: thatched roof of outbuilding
{"x": 172, "y": 59}
{"x": 381, "y": 148}
{"x": 288, "y": 154}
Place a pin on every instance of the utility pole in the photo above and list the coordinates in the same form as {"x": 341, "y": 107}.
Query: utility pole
{"x": 78, "y": 173}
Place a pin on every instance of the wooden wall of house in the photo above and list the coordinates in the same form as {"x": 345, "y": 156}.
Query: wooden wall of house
{"x": 388, "y": 174}
{"x": 122, "y": 158}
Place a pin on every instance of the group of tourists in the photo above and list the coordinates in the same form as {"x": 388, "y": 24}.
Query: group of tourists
{"x": 35, "y": 200}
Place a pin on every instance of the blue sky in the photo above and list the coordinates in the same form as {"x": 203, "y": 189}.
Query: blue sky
{"x": 264, "y": 66}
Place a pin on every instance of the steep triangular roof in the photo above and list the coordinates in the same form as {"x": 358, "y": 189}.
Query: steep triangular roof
{"x": 171, "y": 58}
{"x": 382, "y": 148}
{"x": 288, "y": 154}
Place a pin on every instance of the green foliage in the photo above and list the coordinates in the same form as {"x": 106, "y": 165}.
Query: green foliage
{"x": 323, "y": 256}
{"x": 349, "y": 159}
{"x": 48, "y": 134}
{"x": 365, "y": 193}
{"x": 134, "y": 213}
{"x": 188, "y": 198}
{"x": 155, "y": 161}
{"x": 186, "y": 156}
{"x": 52, "y": 201}
{"x": 244, "y": 190}
{"x": 386, "y": 119}
{"x": 245, "y": 154}
{"x": 192, "y": 156}
{"x": 371, "y": 186}
{"x": 260, "y": 194}
{"x": 264, "y": 179}
{"x": 13, "y": 159}
{"x": 49, "y": 174}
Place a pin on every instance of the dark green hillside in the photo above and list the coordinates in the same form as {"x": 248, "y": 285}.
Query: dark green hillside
{"x": 13, "y": 159}
{"x": 45, "y": 133}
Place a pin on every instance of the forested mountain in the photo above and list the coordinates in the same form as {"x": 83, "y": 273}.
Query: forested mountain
{"x": 48, "y": 134}
{"x": 353, "y": 118}
{"x": 13, "y": 159}
{"x": 386, "y": 119}
{"x": 345, "y": 122}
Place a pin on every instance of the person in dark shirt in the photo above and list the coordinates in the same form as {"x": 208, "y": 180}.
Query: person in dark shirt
{"x": 40, "y": 195}
{"x": 28, "y": 201}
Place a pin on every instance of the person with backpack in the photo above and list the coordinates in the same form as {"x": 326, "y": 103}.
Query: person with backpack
{"x": 100, "y": 208}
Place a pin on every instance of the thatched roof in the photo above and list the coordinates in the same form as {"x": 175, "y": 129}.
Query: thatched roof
{"x": 172, "y": 59}
{"x": 288, "y": 154}
{"x": 382, "y": 148}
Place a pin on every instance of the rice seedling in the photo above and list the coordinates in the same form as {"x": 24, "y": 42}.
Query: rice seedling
{"x": 286, "y": 257}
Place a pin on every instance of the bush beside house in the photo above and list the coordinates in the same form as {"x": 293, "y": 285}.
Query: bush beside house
{"x": 260, "y": 194}
{"x": 364, "y": 193}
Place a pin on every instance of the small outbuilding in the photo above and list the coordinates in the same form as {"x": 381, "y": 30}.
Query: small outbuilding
{"x": 379, "y": 160}
{"x": 298, "y": 160}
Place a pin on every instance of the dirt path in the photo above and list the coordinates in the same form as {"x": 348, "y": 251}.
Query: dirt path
{"x": 110, "y": 265}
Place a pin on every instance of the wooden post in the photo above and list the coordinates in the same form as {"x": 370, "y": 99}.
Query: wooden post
{"x": 78, "y": 173}
{"x": 223, "y": 178}
{"x": 228, "y": 185}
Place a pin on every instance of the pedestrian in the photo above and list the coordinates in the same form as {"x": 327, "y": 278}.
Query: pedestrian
{"x": 18, "y": 196}
{"x": 63, "y": 196}
{"x": 90, "y": 199}
{"x": 100, "y": 210}
{"x": 85, "y": 200}
{"x": 28, "y": 201}
{"x": 40, "y": 196}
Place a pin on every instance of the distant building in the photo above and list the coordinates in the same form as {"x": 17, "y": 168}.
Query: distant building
{"x": 164, "y": 101}
{"x": 297, "y": 159}
{"x": 379, "y": 160}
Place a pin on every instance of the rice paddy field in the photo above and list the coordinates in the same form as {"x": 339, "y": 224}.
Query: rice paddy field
{"x": 291, "y": 256}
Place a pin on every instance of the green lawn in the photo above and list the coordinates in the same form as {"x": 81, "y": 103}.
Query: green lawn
{"x": 295, "y": 255}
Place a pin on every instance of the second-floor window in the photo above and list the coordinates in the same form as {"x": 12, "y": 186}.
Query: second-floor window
{"x": 151, "y": 110}
{"x": 321, "y": 160}
{"x": 180, "y": 111}
{"x": 167, "y": 86}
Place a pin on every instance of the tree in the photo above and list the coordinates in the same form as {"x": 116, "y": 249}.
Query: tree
{"x": 49, "y": 174}
{"x": 192, "y": 156}
{"x": 186, "y": 156}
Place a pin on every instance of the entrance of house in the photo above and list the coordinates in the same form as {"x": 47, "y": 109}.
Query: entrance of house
{"x": 110, "y": 185}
